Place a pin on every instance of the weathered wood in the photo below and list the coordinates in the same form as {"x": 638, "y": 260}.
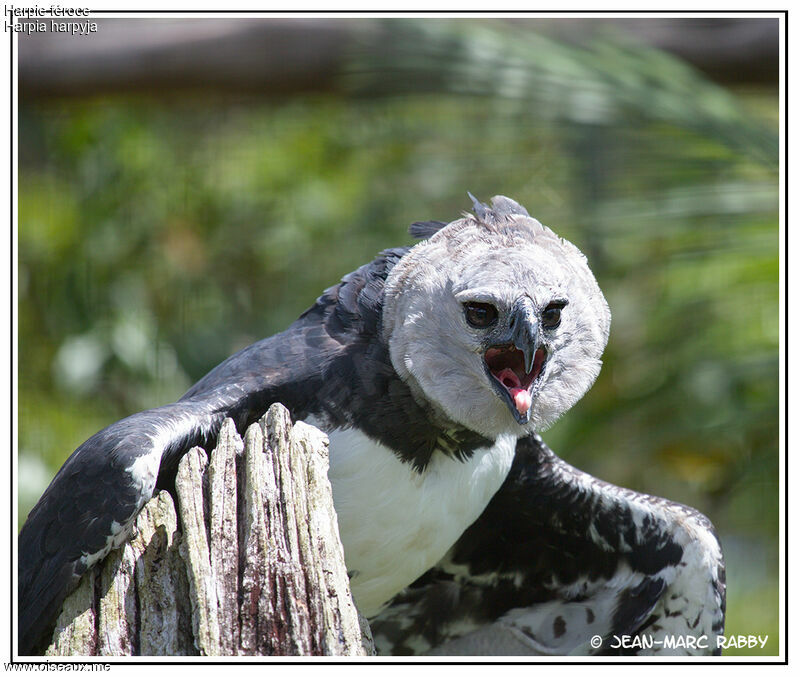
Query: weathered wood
{"x": 284, "y": 576}
{"x": 257, "y": 567}
{"x": 194, "y": 549}
{"x": 76, "y": 632}
{"x": 161, "y": 584}
{"x": 222, "y": 533}
{"x": 340, "y": 622}
{"x": 118, "y": 609}
{"x": 253, "y": 545}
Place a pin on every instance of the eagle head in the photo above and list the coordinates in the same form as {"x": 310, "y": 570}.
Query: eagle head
{"x": 495, "y": 322}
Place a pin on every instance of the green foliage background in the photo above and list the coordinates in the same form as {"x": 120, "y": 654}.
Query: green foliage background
{"x": 158, "y": 236}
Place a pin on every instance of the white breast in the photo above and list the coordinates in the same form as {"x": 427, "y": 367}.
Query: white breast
{"x": 396, "y": 523}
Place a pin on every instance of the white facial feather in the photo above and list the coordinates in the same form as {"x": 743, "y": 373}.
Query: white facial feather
{"x": 505, "y": 257}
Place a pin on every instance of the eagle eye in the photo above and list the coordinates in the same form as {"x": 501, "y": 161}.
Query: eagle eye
{"x": 551, "y": 316}
{"x": 480, "y": 315}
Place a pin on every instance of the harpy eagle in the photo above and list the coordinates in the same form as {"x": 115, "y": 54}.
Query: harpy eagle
{"x": 432, "y": 369}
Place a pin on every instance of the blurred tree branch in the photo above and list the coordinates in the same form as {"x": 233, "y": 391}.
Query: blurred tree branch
{"x": 280, "y": 56}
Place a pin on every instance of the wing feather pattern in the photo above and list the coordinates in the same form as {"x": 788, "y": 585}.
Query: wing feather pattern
{"x": 92, "y": 502}
{"x": 557, "y": 558}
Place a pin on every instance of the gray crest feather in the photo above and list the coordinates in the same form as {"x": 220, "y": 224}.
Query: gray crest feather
{"x": 422, "y": 230}
{"x": 502, "y": 208}
{"x": 481, "y": 210}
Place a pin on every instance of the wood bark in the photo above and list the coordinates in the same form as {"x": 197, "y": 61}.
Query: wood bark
{"x": 250, "y": 563}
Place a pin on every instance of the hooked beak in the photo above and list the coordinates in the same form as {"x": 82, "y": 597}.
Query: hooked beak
{"x": 525, "y": 331}
{"x": 516, "y": 363}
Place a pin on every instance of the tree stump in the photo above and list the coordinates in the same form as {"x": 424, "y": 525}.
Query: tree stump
{"x": 251, "y": 564}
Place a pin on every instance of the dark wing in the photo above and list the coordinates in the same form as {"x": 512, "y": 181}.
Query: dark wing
{"x": 91, "y": 504}
{"x": 558, "y": 558}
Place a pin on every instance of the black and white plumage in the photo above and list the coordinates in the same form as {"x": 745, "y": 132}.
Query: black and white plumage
{"x": 559, "y": 557}
{"x": 431, "y": 369}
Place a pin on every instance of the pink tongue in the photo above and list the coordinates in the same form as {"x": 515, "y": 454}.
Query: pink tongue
{"x": 522, "y": 399}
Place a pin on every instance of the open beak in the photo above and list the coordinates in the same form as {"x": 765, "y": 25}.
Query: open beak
{"x": 515, "y": 364}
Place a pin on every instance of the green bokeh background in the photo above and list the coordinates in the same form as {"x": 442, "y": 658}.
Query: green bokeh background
{"x": 159, "y": 235}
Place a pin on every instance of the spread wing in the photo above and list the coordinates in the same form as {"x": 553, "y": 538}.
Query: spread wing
{"x": 91, "y": 504}
{"x": 558, "y": 558}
